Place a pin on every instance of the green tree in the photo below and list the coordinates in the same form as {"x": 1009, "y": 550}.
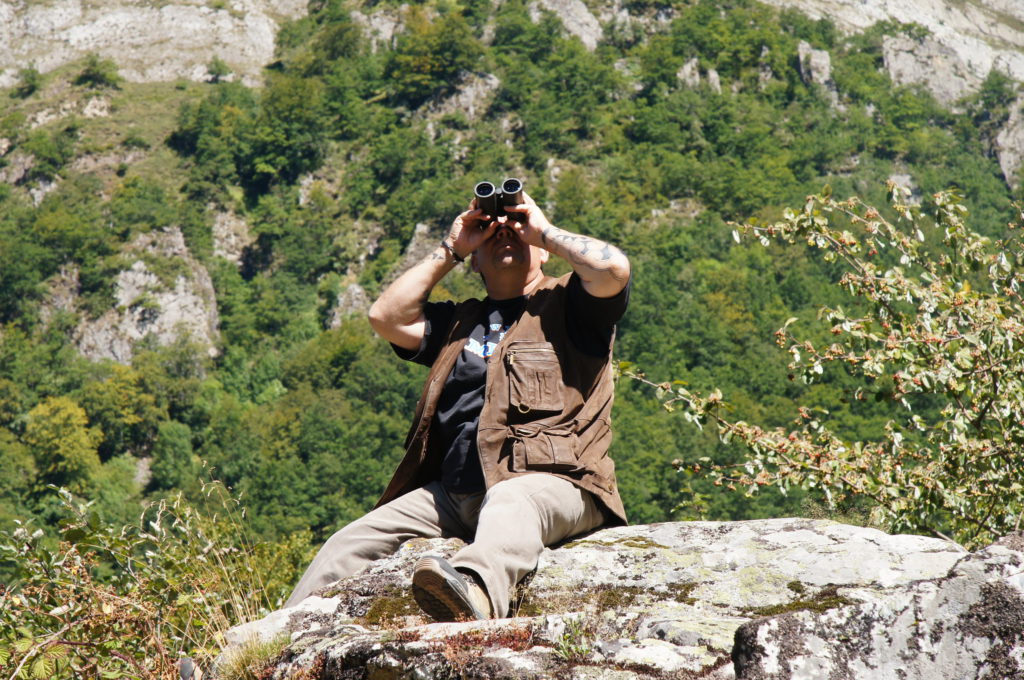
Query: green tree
{"x": 57, "y": 433}
{"x": 29, "y": 82}
{"x": 174, "y": 465}
{"x": 218, "y": 70}
{"x": 430, "y": 56}
{"x": 99, "y": 72}
{"x": 120, "y": 406}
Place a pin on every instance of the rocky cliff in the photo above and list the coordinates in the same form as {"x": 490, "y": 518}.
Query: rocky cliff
{"x": 165, "y": 294}
{"x": 767, "y": 599}
{"x": 149, "y": 41}
{"x": 967, "y": 38}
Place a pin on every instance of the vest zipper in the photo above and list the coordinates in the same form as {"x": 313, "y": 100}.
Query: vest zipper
{"x": 510, "y": 356}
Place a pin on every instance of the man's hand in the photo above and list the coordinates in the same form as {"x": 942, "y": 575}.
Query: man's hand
{"x": 603, "y": 268}
{"x": 469, "y": 230}
{"x": 529, "y": 222}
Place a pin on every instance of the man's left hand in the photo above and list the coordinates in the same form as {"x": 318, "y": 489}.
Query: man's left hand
{"x": 528, "y": 221}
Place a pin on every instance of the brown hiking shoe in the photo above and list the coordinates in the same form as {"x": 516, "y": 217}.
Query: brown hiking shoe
{"x": 445, "y": 594}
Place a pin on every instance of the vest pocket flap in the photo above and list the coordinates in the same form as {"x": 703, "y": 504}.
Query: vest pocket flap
{"x": 534, "y": 377}
{"x": 552, "y": 449}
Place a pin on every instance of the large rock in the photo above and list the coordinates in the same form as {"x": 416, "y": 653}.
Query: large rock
{"x": 663, "y": 600}
{"x": 148, "y": 41}
{"x": 968, "y": 624}
{"x": 575, "y": 17}
{"x": 176, "y": 301}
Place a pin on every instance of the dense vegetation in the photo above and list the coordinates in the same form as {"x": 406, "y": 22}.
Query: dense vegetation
{"x": 351, "y": 143}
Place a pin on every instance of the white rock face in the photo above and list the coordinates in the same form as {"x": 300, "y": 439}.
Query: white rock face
{"x": 231, "y": 236}
{"x": 971, "y": 37}
{"x": 689, "y": 73}
{"x": 1010, "y": 143}
{"x": 575, "y": 17}
{"x": 654, "y": 601}
{"x": 146, "y": 306}
{"x": 931, "y": 64}
{"x": 472, "y": 97}
{"x": 351, "y": 301}
{"x": 148, "y": 41}
{"x": 815, "y": 65}
{"x": 381, "y": 26}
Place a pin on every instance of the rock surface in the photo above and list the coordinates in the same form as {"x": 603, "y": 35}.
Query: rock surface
{"x": 979, "y": 34}
{"x": 178, "y": 305}
{"x": 783, "y": 598}
{"x": 968, "y": 624}
{"x": 148, "y": 41}
{"x": 1009, "y": 143}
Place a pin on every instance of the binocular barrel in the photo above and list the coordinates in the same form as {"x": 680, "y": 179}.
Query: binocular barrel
{"x": 492, "y": 199}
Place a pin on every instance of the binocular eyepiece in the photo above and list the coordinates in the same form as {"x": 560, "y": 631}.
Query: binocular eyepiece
{"x": 493, "y": 199}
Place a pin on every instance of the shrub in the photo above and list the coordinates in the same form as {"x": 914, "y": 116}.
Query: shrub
{"x": 938, "y": 336}
{"x": 99, "y": 72}
{"x": 125, "y": 603}
{"x": 29, "y": 82}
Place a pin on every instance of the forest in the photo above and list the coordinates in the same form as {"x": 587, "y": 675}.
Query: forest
{"x": 115, "y": 477}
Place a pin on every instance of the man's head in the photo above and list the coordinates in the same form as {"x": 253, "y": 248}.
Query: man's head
{"x": 509, "y": 266}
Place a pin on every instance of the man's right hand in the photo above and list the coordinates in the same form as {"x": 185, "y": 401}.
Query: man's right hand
{"x": 469, "y": 230}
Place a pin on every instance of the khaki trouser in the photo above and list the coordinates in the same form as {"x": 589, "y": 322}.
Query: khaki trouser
{"x": 509, "y": 526}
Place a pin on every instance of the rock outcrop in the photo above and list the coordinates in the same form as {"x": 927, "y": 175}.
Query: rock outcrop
{"x": 783, "y": 598}
{"x": 977, "y": 36}
{"x": 147, "y": 41}
{"x": 165, "y": 305}
{"x": 575, "y": 17}
{"x": 1009, "y": 143}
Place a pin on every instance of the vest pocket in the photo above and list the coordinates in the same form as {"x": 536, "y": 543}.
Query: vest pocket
{"x": 544, "y": 449}
{"x": 534, "y": 377}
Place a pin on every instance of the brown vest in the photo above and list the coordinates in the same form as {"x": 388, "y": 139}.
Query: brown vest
{"x": 547, "y": 406}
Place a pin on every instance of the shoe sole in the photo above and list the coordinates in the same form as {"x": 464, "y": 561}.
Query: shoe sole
{"x": 437, "y": 589}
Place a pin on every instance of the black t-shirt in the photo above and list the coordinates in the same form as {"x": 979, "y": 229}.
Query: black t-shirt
{"x": 590, "y": 322}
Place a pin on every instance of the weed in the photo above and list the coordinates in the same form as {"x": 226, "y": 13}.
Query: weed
{"x": 463, "y": 648}
{"x": 575, "y": 644}
{"x": 251, "y": 659}
{"x": 124, "y": 602}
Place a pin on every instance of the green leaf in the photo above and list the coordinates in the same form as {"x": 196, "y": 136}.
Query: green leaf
{"x": 43, "y": 668}
{"x": 23, "y": 644}
{"x": 74, "y": 535}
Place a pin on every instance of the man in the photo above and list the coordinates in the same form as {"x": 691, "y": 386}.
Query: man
{"x": 508, "y": 447}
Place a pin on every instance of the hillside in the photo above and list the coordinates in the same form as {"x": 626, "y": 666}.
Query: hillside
{"x": 293, "y": 203}
{"x": 191, "y": 231}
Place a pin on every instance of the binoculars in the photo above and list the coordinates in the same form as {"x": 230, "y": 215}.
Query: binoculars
{"x": 493, "y": 199}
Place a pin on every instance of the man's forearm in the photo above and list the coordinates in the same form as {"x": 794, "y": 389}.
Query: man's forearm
{"x": 398, "y": 313}
{"x": 603, "y": 268}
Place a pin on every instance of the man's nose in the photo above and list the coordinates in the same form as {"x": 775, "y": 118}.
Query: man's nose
{"x": 505, "y": 231}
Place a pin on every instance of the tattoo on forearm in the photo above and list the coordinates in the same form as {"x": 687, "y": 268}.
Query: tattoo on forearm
{"x": 582, "y": 250}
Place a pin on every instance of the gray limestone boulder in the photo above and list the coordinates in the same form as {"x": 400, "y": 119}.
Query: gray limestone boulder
{"x": 967, "y": 624}
{"x": 679, "y": 600}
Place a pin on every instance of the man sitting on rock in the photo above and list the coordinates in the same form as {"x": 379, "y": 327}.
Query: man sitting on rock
{"x": 509, "y": 444}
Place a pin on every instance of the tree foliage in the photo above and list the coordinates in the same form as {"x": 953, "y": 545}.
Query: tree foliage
{"x": 937, "y": 334}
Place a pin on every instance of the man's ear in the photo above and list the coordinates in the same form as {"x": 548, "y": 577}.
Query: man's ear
{"x": 544, "y": 255}
{"x": 473, "y": 264}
